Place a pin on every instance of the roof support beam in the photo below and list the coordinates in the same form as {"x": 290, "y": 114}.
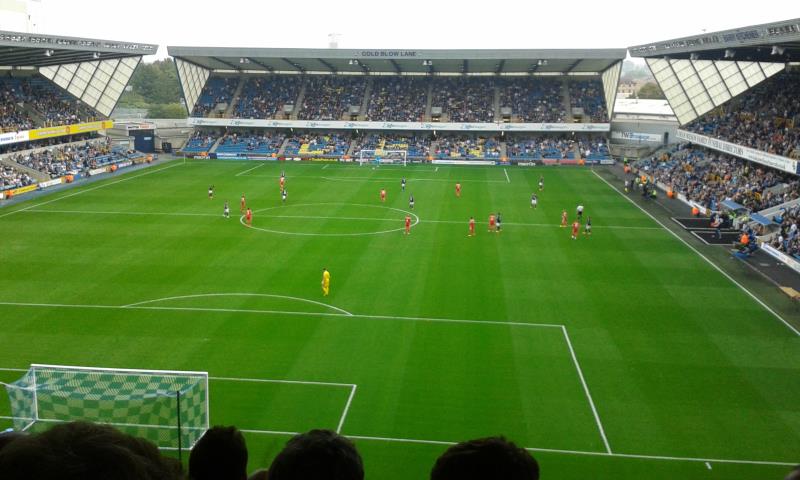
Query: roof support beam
{"x": 327, "y": 65}
{"x": 572, "y": 66}
{"x": 296, "y": 68}
{"x": 465, "y": 66}
{"x": 217, "y": 59}
{"x": 500, "y": 67}
{"x": 262, "y": 65}
{"x": 396, "y": 66}
{"x": 722, "y": 80}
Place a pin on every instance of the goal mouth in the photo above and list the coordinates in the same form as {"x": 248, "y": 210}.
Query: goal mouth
{"x": 380, "y": 156}
{"x": 168, "y": 408}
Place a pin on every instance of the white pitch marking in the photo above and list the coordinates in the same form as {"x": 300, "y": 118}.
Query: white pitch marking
{"x": 507, "y": 179}
{"x": 717, "y": 268}
{"x": 346, "y": 409}
{"x": 289, "y": 382}
{"x": 436, "y": 170}
{"x": 80, "y": 192}
{"x": 250, "y": 169}
{"x": 708, "y": 465}
{"x": 268, "y": 295}
{"x": 98, "y": 212}
{"x": 283, "y": 312}
{"x": 586, "y": 390}
{"x": 326, "y": 166}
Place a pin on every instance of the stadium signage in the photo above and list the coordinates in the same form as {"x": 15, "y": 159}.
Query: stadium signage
{"x": 637, "y": 137}
{"x": 388, "y": 53}
{"x": 780, "y": 256}
{"x": 405, "y": 126}
{"x": 771, "y": 160}
{"x": 50, "y": 183}
{"x": 13, "y": 137}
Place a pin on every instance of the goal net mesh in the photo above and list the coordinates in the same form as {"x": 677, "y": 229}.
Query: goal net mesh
{"x": 147, "y": 404}
{"x": 382, "y": 156}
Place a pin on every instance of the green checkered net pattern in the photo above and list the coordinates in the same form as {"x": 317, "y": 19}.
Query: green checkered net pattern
{"x": 144, "y": 404}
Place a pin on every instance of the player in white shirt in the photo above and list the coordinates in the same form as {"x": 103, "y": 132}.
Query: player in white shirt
{"x": 226, "y": 211}
{"x": 534, "y": 200}
{"x": 580, "y": 211}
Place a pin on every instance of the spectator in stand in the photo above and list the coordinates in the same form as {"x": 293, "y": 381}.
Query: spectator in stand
{"x": 265, "y": 97}
{"x": 220, "y": 454}
{"x": 486, "y": 459}
{"x": 416, "y": 146}
{"x": 216, "y": 90}
{"x": 317, "y": 455}
{"x": 85, "y": 451}
{"x": 466, "y": 146}
{"x": 533, "y": 100}
{"x": 588, "y": 95}
{"x": 60, "y": 161}
{"x": 13, "y": 178}
{"x": 764, "y": 118}
{"x": 315, "y": 145}
{"x": 329, "y": 97}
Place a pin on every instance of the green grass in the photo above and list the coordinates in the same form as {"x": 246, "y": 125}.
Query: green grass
{"x": 679, "y": 361}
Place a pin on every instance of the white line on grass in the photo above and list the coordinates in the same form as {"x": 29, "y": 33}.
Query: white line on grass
{"x": 266, "y": 295}
{"x": 289, "y": 382}
{"x": 586, "y": 390}
{"x": 98, "y": 212}
{"x": 436, "y": 170}
{"x": 282, "y": 312}
{"x": 79, "y": 192}
{"x": 346, "y": 408}
{"x": 326, "y": 166}
{"x": 717, "y": 268}
{"x": 507, "y": 179}
{"x": 250, "y": 169}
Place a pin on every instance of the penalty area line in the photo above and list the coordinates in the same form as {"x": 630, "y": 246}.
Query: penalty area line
{"x": 249, "y": 170}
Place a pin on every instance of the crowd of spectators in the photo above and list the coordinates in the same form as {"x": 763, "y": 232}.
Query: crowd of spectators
{"x": 464, "y": 99}
{"x": 21, "y": 95}
{"x": 533, "y": 100}
{"x": 467, "y": 146}
{"x": 87, "y": 451}
{"x": 764, "y": 118}
{"x": 265, "y": 97}
{"x": 200, "y": 141}
{"x": 265, "y": 143}
{"x": 312, "y": 144}
{"x": 329, "y": 97}
{"x": 588, "y": 95}
{"x": 537, "y": 148}
{"x": 398, "y": 99}
{"x": 417, "y": 146}
{"x": 708, "y": 178}
{"x": 69, "y": 159}
{"x": 217, "y": 90}
{"x": 788, "y": 238}
{"x": 12, "y": 178}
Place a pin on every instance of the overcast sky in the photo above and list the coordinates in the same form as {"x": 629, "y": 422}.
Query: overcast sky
{"x": 391, "y": 24}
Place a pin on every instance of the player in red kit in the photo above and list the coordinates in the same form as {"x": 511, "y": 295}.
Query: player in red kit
{"x": 242, "y": 205}
{"x": 471, "y": 226}
{"x": 383, "y": 194}
{"x": 249, "y": 217}
{"x": 458, "y": 189}
{"x": 575, "y": 227}
{"x": 563, "y": 218}
{"x": 283, "y": 182}
{"x": 492, "y": 225}
{"x": 408, "y": 224}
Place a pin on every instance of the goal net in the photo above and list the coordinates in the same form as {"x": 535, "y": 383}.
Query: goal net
{"x": 169, "y": 408}
{"x": 382, "y": 156}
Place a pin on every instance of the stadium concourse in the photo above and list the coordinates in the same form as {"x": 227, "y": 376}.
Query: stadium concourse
{"x": 618, "y": 352}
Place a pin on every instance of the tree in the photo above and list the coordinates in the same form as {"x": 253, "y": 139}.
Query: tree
{"x": 155, "y": 86}
{"x": 650, "y": 90}
{"x": 167, "y": 110}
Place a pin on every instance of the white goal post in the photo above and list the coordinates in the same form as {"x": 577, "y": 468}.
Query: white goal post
{"x": 169, "y": 408}
{"x": 381, "y": 156}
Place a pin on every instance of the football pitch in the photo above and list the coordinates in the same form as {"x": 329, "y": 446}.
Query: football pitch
{"x": 620, "y": 355}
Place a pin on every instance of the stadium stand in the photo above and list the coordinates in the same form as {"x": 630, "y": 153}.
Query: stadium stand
{"x": 540, "y": 148}
{"x": 200, "y": 142}
{"x": 265, "y": 143}
{"x": 533, "y": 100}
{"x": 788, "y": 238}
{"x": 316, "y": 145}
{"x": 13, "y": 178}
{"x": 59, "y": 161}
{"x": 265, "y": 97}
{"x": 467, "y": 147}
{"x": 23, "y": 100}
{"x": 464, "y": 99}
{"x": 588, "y": 95}
{"x": 398, "y": 99}
{"x": 329, "y": 97}
{"x": 763, "y": 118}
{"x": 216, "y": 91}
{"x": 708, "y": 178}
{"x": 417, "y": 146}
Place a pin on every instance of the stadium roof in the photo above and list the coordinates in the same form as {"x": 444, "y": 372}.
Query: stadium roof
{"x": 361, "y": 61}
{"x": 35, "y": 50}
{"x": 95, "y": 71}
{"x": 702, "y": 72}
{"x": 753, "y": 43}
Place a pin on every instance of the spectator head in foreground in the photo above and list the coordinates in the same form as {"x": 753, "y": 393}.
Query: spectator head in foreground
{"x": 794, "y": 474}
{"x": 317, "y": 455}
{"x": 220, "y": 454}
{"x": 484, "y": 459}
{"x": 9, "y": 436}
{"x": 85, "y": 451}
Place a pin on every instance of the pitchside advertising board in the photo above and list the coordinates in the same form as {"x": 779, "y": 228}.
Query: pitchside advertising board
{"x": 771, "y": 160}
{"x": 404, "y": 126}
{"x": 638, "y": 137}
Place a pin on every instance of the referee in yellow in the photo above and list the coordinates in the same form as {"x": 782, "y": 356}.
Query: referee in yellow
{"x": 326, "y": 282}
